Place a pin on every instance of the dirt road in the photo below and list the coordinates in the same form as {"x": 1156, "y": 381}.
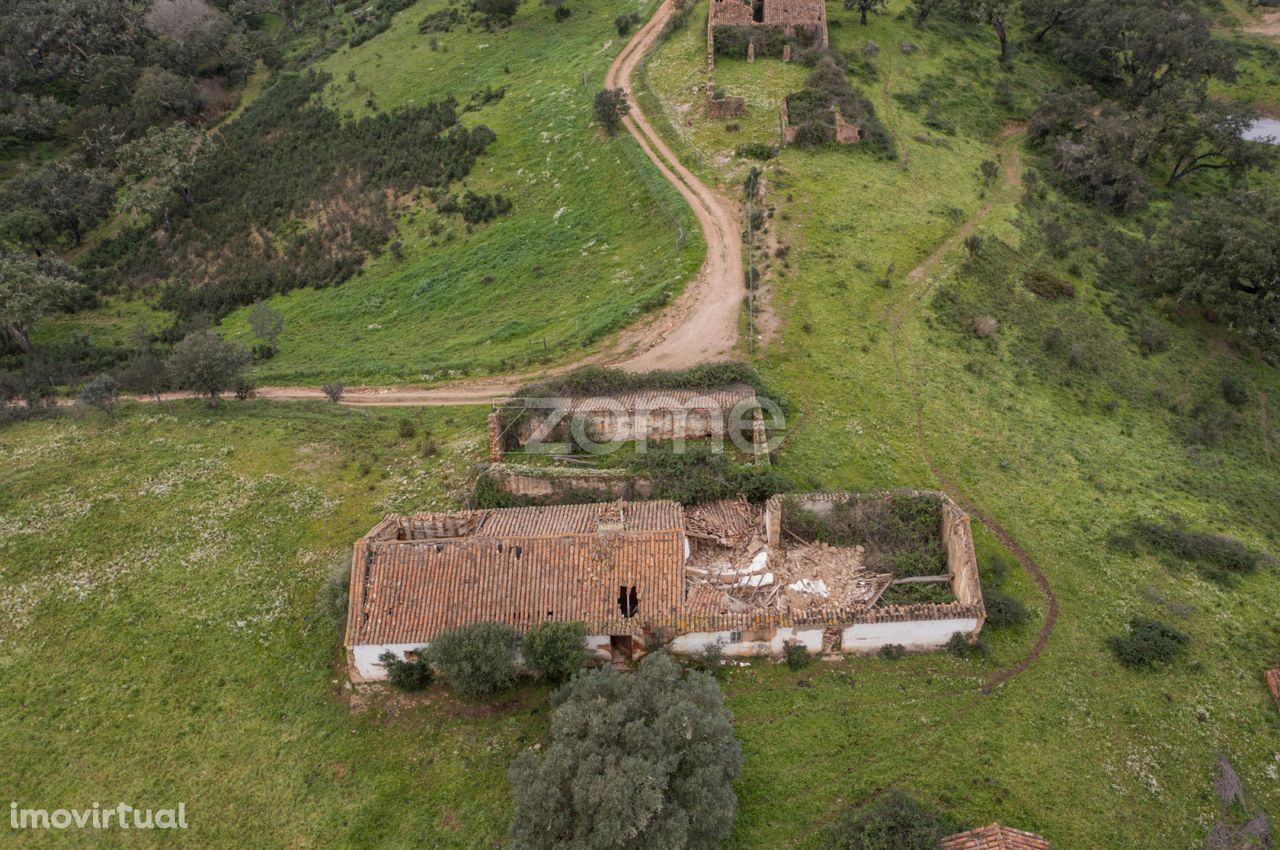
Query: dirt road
{"x": 701, "y": 326}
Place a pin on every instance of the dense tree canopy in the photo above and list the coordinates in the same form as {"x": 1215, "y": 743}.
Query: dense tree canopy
{"x": 640, "y": 760}
{"x": 1222, "y": 255}
{"x": 29, "y": 288}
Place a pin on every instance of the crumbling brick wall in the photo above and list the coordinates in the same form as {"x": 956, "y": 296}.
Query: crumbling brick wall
{"x": 555, "y": 483}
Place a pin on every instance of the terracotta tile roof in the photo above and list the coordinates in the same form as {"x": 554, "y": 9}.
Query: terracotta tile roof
{"x": 1273, "y": 682}
{"x": 790, "y": 12}
{"x": 541, "y": 521}
{"x": 521, "y": 566}
{"x": 995, "y": 837}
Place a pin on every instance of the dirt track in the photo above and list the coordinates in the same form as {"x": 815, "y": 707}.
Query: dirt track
{"x": 701, "y": 326}
{"x": 1011, "y": 181}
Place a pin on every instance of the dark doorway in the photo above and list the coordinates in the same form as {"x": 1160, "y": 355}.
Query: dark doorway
{"x": 620, "y": 649}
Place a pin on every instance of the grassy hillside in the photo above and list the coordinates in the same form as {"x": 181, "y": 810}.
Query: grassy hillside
{"x": 594, "y": 239}
{"x": 1062, "y": 438}
{"x": 160, "y": 574}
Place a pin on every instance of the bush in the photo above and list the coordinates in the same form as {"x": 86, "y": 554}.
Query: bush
{"x": 244, "y": 388}
{"x": 556, "y": 650}
{"x": 333, "y": 391}
{"x": 961, "y": 647}
{"x": 1148, "y": 643}
{"x": 610, "y": 106}
{"x": 1003, "y": 609}
{"x": 892, "y": 651}
{"x": 643, "y": 760}
{"x": 1215, "y": 556}
{"x": 207, "y": 364}
{"x": 102, "y": 392}
{"x": 406, "y": 429}
{"x": 1234, "y": 391}
{"x": 796, "y": 655}
{"x": 410, "y": 675}
{"x": 1048, "y": 286}
{"x": 711, "y": 656}
{"x": 893, "y": 821}
{"x": 985, "y": 326}
{"x": 477, "y": 659}
{"x": 757, "y": 150}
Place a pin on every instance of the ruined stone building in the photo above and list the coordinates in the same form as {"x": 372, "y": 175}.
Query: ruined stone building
{"x": 751, "y": 28}
{"x": 640, "y": 574}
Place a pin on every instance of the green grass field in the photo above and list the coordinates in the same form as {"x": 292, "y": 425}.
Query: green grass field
{"x": 594, "y": 240}
{"x": 585, "y": 209}
{"x": 161, "y": 640}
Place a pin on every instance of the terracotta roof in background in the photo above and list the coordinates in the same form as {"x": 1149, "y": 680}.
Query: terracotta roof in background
{"x": 995, "y": 837}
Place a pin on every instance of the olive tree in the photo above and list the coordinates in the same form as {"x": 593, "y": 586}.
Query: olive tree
{"x": 207, "y": 364}
{"x": 632, "y": 760}
{"x": 30, "y": 288}
{"x": 611, "y": 105}
{"x": 556, "y": 650}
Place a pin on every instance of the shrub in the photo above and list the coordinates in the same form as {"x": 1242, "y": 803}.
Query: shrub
{"x": 893, "y": 821}
{"x": 973, "y": 244}
{"x": 892, "y": 651}
{"x": 1215, "y": 556}
{"x": 410, "y": 675}
{"x": 1003, "y": 609}
{"x": 624, "y": 23}
{"x": 477, "y": 209}
{"x": 1147, "y": 644}
{"x": 1048, "y": 286}
{"x": 655, "y": 748}
{"x": 333, "y": 391}
{"x": 985, "y": 326}
{"x": 711, "y": 656}
{"x": 1234, "y": 391}
{"x": 961, "y": 647}
{"x": 757, "y": 150}
{"x": 556, "y": 650}
{"x": 102, "y": 392}
{"x": 1153, "y": 339}
{"x": 245, "y": 387}
{"x": 477, "y": 659}
{"x": 610, "y": 106}
{"x": 407, "y": 429}
{"x": 207, "y": 364}
{"x": 990, "y": 170}
{"x": 796, "y": 655}
{"x": 702, "y": 475}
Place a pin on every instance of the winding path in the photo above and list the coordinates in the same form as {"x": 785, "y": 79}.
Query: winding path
{"x": 1011, "y": 180}
{"x": 700, "y": 326}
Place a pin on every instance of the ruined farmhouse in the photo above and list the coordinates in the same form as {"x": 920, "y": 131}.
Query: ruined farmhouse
{"x": 751, "y": 28}
{"x": 643, "y": 574}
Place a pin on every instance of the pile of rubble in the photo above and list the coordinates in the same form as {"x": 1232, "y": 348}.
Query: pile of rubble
{"x": 736, "y": 572}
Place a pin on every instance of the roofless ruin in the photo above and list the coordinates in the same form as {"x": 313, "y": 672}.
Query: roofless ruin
{"x": 834, "y": 572}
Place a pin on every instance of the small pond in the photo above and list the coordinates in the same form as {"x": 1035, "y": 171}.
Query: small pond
{"x": 1264, "y": 129}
